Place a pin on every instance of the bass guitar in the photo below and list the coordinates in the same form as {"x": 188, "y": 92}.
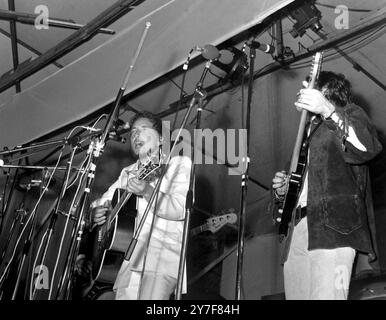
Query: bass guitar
{"x": 214, "y": 224}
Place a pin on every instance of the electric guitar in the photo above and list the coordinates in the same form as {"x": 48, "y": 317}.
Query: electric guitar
{"x": 298, "y": 160}
{"x": 214, "y": 224}
{"x": 116, "y": 233}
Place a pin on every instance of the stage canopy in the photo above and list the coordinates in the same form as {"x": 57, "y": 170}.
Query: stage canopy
{"x": 92, "y": 80}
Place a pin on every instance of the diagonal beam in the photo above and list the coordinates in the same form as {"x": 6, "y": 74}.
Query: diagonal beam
{"x": 376, "y": 19}
{"x": 354, "y": 63}
{"x": 15, "y": 51}
{"x": 28, "y": 18}
{"x": 27, "y": 46}
{"x": 80, "y": 36}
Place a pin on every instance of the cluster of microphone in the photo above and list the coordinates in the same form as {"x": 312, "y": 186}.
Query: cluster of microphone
{"x": 210, "y": 52}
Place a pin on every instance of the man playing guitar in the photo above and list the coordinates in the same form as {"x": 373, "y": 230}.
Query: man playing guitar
{"x": 333, "y": 217}
{"x": 151, "y": 272}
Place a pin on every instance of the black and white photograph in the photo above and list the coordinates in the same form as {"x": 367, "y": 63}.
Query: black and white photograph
{"x": 192, "y": 156}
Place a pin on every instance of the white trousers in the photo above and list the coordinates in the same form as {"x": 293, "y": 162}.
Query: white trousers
{"x": 321, "y": 274}
{"x": 155, "y": 286}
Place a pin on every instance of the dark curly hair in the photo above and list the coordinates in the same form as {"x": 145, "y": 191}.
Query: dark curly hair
{"x": 337, "y": 87}
{"x": 154, "y": 119}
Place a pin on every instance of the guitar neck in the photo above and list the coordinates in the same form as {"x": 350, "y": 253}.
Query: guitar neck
{"x": 299, "y": 141}
{"x": 304, "y": 116}
{"x": 199, "y": 229}
{"x": 122, "y": 201}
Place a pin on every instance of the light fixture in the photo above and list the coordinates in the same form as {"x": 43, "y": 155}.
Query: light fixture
{"x": 237, "y": 66}
{"x": 306, "y": 16}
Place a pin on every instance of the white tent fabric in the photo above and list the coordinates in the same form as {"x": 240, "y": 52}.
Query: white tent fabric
{"x": 92, "y": 81}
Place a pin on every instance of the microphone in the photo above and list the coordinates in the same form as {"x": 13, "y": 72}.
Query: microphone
{"x": 115, "y": 136}
{"x": 209, "y": 52}
{"x": 233, "y": 62}
{"x": 261, "y": 46}
{"x": 30, "y": 184}
{"x": 122, "y": 124}
{"x": 226, "y": 57}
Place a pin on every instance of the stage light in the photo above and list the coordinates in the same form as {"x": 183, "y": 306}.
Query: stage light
{"x": 306, "y": 16}
{"x": 233, "y": 62}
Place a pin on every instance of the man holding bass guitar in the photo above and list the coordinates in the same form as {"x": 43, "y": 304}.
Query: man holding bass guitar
{"x": 333, "y": 217}
{"x": 151, "y": 272}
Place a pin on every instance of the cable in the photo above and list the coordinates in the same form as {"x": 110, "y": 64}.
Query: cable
{"x": 64, "y": 233}
{"x": 243, "y": 121}
{"x": 41, "y": 241}
{"x": 182, "y": 91}
{"x": 39, "y": 200}
{"x": 348, "y": 49}
{"x": 34, "y": 264}
{"x": 344, "y": 42}
{"x": 85, "y": 159}
{"x": 364, "y": 40}
{"x": 215, "y": 75}
{"x": 176, "y": 84}
{"x": 334, "y": 7}
{"x": 3, "y": 200}
{"x": 88, "y": 158}
{"x": 77, "y": 175}
{"x": 30, "y": 217}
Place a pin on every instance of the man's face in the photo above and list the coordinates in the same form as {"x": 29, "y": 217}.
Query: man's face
{"x": 144, "y": 138}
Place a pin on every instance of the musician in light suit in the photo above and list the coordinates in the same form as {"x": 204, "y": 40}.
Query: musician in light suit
{"x": 334, "y": 215}
{"x": 151, "y": 272}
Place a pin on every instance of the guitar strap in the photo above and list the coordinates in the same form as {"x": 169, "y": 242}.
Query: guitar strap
{"x": 314, "y": 124}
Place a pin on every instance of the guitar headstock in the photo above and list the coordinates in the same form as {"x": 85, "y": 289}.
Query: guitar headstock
{"x": 150, "y": 170}
{"x": 315, "y": 69}
{"x": 216, "y": 223}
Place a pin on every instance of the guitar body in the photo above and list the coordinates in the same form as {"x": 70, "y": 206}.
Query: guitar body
{"x": 111, "y": 240}
{"x": 107, "y": 244}
{"x": 295, "y": 183}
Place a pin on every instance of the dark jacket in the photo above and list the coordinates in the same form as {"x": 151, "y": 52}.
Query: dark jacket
{"x": 339, "y": 204}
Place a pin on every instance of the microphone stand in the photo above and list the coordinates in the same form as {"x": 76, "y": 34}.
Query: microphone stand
{"x": 31, "y": 235}
{"x": 27, "y": 243}
{"x": 198, "y": 96}
{"x": 45, "y": 145}
{"x": 21, "y": 149}
{"x": 244, "y": 182}
{"x": 81, "y": 198}
{"x": 53, "y": 219}
{"x": 21, "y": 215}
{"x": 4, "y": 201}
